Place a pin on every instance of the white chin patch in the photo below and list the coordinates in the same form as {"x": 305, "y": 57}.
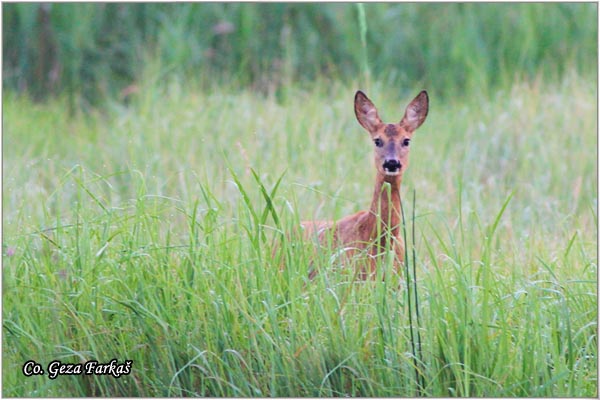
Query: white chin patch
{"x": 389, "y": 173}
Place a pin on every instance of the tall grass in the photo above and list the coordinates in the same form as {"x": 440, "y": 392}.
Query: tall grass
{"x": 96, "y": 51}
{"x": 155, "y": 233}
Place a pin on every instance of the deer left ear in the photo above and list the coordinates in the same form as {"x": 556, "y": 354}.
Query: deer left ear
{"x": 366, "y": 113}
{"x": 416, "y": 112}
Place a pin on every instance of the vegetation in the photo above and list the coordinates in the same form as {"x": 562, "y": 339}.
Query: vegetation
{"x": 154, "y": 229}
{"x": 94, "y": 51}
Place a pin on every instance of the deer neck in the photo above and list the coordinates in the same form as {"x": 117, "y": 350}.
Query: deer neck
{"x": 385, "y": 207}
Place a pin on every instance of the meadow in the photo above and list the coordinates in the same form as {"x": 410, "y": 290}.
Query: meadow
{"x": 146, "y": 233}
{"x": 154, "y": 173}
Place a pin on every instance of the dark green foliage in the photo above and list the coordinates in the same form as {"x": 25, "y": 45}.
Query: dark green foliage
{"x": 95, "y": 50}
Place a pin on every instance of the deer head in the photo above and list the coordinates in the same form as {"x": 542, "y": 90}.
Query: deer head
{"x": 391, "y": 140}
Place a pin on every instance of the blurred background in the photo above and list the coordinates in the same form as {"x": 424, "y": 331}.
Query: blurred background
{"x": 91, "y": 52}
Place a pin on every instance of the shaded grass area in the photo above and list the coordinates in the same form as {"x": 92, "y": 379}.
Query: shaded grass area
{"x": 143, "y": 234}
{"x": 94, "y": 52}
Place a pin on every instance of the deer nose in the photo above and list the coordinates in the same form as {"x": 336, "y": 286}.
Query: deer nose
{"x": 392, "y": 165}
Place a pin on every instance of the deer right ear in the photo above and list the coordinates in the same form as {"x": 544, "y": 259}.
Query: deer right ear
{"x": 365, "y": 111}
{"x": 416, "y": 112}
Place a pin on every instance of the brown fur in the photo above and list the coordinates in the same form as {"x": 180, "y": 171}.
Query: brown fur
{"x": 367, "y": 231}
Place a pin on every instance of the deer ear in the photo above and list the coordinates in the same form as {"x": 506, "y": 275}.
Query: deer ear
{"x": 365, "y": 111}
{"x": 416, "y": 112}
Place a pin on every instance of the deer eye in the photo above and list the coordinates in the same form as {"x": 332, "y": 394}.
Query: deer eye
{"x": 378, "y": 142}
{"x": 406, "y": 142}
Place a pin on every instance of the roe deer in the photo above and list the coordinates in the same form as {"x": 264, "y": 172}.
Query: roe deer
{"x": 368, "y": 231}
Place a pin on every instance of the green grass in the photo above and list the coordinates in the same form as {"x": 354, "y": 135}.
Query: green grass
{"x": 141, "y": 233}
{"x": 94, "y": 51}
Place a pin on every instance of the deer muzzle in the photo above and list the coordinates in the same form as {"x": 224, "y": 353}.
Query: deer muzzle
{"x": 392, "y": 166}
